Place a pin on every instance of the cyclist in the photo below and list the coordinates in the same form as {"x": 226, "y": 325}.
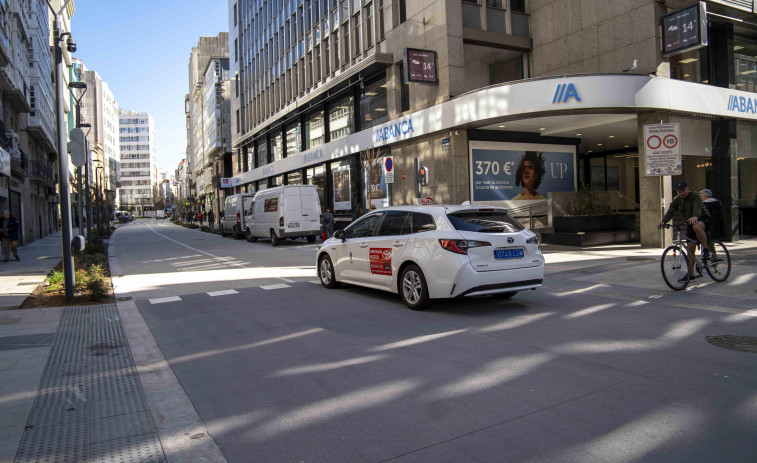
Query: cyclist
{"x": 689, "y": 204}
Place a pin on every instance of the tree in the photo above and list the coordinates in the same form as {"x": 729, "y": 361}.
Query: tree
{"x": 371, "y": 159}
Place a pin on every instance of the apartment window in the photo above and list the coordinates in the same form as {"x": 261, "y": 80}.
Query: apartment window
{"x": 236, "y": 51}
{"x": 277, "y": 147}
{"x": 262, "y": 153}
{"x": 518, "y": 6}
{"x": 471, "y": 14}
{"x": 403, "y": 11}
{"x": 293, "y": 139}
{"x": 356, "y": 35}
{"x": 340, "y": 119}
{"x": 369, "y": 25}
{"x": 495, "y": 15}
{"x": 346, "y": 44}
{"x": 314, "y": 130}
{"x": 235, "y": 14}
{"x": 373, "y": 110}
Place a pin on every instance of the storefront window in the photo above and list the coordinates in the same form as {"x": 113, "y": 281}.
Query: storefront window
{"x": 262, "y": 153}
{"x": 342, "y": 180}
{"x": 294, "y": 178}
{"x": 340, "y": 119}
{"x": 277, "y": 147}
{"x": 294, "y": 139}
{"x": 747, "y": 166}
{"x": 373, "y": 105}
{"x": 314, "y": 134}
{"x": 690, "y": 66}
{"x": 745, "y": 58}
{"x": 275, "y": 181}
{"x": 617, "y": 174}
{"x": 317, "y": 176}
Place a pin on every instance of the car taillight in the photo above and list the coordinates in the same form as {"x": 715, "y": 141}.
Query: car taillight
{"x": 462, "y": 246}
{"x": 281, "y": 221}
{"x": 532, "y": 240}
{"x": 239, "y": 218}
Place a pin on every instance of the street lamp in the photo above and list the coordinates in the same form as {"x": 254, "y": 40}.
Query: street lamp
{"x": 65, "y": 200}
{"x": 99, "y": 173}
{"x": 81, "y": 89}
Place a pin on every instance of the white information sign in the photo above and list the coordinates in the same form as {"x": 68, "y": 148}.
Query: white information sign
{"x": 389, "y": 169}
{"x": 662, "y": 149}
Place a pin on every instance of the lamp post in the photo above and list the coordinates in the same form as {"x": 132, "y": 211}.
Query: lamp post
{"x": 100, "y": 170}
{"x": 65, "y": 200}
{"x": 82, "y": 88}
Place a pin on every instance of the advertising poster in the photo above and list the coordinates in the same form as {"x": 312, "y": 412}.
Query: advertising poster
{"x": 381, "y": 261}
{"x": 378, "y": 187}
{"x": 342, "y": 188}
{"x": 520, "y": 172}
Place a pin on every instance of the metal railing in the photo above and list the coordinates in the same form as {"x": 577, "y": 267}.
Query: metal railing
{"x": 42, "y": 170}
{"x": 638, "y": 206}
{"x": 531, "y": 211}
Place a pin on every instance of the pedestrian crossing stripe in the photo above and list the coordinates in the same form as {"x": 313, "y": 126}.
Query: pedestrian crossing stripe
{"x": 161, "y": 300}
{"x": 225, "y": 292}
{"x": 279, "y": 286}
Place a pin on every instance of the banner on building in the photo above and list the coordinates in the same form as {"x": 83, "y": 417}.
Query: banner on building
{"x": 377, "y": 184}
{"x": 342, "y": 188}
{"x": 520, "y": 171}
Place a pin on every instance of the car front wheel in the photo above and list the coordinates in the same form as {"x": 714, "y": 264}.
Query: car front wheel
{"x": 326, "y": 273}
{"x": 413, "y": 288}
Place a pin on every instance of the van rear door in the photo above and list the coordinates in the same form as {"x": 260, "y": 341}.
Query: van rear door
{"x": 311, "y": 210}
{"x": 292, "y": 210}
{"x": 246, "y": 211}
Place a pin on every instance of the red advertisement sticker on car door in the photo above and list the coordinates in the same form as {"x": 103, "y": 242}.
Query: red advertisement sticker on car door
{"x": 381, "y": 261}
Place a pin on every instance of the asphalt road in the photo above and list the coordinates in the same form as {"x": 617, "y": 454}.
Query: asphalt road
{"x": 281, "y": 369}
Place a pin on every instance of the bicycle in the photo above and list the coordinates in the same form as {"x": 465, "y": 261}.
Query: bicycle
{"x": 676, "y": 268}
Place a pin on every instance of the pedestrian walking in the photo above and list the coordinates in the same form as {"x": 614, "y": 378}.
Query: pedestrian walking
{"x": 358, "y": 212}
{"x": 211, "y": 219}
{"x": 9, "y": 230}
{"x": 715, "y": 208}
{"x": 200, "y": 217}
{"x": 328, "y": 223}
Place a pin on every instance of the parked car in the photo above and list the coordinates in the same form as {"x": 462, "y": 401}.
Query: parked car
{"x": 234, "y": 214}
{"x": 289, "y": 211}
{"x": 434, "y": 252}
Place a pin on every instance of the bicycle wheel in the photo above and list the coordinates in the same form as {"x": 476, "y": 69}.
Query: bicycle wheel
{"x": 719, "y": 266}
{"x": 675, "y": 268}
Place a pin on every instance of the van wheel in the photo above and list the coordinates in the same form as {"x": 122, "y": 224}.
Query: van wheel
{"x": 326, "y": 273}
{"x": 248, "y": 236}
{"x": 274, "y": 241}
{"x": 311, "y": 239}
{"x": 413, "y": 288}
{"x": 223, "y": 232}
{"x": 237, "y": 234}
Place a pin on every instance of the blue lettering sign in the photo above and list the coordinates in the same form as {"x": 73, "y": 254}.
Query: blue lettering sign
{"x": 268, "y": 170}
{"x": 395, "y": 130}
{"x": 742, "y": 104}
{"x": 312, "y": 157}
{"x": 565, "y": 92}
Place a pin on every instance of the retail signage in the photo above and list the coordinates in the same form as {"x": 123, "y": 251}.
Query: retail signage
{"x": 446, "y": 144}
{"x": 741, "y": 104}
{"x": 5, "y": 163}
{"x": 565, "y": 92}
{"x": 662, "y": 149}
{"x": 420, "y": 66}
{"x": 394, "y": 131}
{"x": 684, "y": 29}
{"x": 389, "y": 169}
{"x": 342, "y": 187}
{"x": 519, "y": 171}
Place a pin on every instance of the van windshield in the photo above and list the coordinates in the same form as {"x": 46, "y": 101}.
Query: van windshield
{"x": 485, "y": 221}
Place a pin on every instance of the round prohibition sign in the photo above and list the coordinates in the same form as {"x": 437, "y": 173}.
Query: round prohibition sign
{"x": 654, "y": 140}
{"x": 388, "y": 164}
{"x": 670, "y": 141}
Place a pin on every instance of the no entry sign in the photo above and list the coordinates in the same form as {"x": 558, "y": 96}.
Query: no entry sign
{"x": 389, "y": 169}
{"x": 662, "y": 149}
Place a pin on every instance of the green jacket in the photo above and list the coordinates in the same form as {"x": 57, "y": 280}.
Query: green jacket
{"x": 688, "y": 207}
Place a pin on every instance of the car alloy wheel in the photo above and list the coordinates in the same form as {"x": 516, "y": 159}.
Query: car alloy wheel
{"x": 413, "y": 288}
{"x": 326, "y": 273}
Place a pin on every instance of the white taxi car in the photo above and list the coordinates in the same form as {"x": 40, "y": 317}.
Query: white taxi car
{"x": 434, "y": 252}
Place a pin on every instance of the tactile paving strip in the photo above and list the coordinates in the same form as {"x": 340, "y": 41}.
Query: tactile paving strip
{"x": 90, "y": 406}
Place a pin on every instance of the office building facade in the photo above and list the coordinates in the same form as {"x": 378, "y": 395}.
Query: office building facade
{"x": 138, "y": 173}
{"x": 469, "y": 88}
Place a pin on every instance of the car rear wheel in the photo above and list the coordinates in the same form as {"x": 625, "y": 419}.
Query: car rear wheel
{"x": 326, "y": 273}
{"x": 413, "y": 288}
{"x": 274, "y": 240}
{"x": 248, "y": 236}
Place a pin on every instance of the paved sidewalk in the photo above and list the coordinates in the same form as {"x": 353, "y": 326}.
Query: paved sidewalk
{"x": 18, "y": 279}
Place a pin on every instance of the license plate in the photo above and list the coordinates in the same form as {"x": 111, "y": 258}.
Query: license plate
{"x": 508, "y": 254}
{"x": 293, "y": 225}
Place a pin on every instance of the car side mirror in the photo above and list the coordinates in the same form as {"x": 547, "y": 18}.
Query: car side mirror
{"x": 339, "y": 234}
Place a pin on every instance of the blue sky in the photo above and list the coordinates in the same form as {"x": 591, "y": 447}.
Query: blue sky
{"x": 141, "y": 49}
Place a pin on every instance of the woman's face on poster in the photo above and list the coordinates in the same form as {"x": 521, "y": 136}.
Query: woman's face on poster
{"x": 529, "y": 173}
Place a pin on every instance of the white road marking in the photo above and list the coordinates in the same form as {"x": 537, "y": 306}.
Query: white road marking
{"x": 315, "y": 282}
{"x": 207, "y": 253}
{"x": 161, "y": 300}
{"x": 281, "y": 286}
{"x": 225, "y": 292}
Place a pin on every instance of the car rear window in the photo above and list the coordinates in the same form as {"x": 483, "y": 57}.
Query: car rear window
{"x": 496, "y": 221}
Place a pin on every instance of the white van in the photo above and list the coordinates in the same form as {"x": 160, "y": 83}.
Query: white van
{"x": 234, "y": 211}
{"x": 160, "y": 214}
{"x": 289, "y": 211}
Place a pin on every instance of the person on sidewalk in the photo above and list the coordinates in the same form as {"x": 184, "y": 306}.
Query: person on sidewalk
{"x": 211, "y": 219}
{"x": 9, "y": 230}
{"x": 359, "y": 212}
{"x": 328, "y": 223}
{"x": 715, "y": 208}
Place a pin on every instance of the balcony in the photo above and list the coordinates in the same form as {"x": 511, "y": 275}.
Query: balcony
{"x": 39, "y": 171}
{"x": 19, "y": 166}
{"x": 17, "y": 92}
